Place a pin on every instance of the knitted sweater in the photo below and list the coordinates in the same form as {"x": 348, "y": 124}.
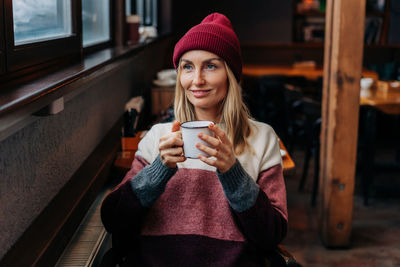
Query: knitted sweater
{"x": 195, "y": 216}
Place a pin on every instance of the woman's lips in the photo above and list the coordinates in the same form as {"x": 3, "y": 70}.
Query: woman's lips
{"x": 200, "y": 93}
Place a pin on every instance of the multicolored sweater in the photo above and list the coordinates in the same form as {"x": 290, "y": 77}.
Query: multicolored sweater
{"x": 195, "y": 216}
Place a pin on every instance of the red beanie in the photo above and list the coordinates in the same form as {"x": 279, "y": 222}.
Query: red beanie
{"x": 214, "y": 34}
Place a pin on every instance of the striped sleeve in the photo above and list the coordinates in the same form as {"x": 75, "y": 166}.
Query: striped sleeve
{"x": 265, "y": 222}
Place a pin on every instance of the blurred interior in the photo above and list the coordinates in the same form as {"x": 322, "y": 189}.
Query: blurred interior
{"x": 61, "y": 120}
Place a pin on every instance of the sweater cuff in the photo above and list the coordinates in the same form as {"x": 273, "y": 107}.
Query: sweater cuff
{"x": 150, "y": 182}
{"x": 240, "y": 189}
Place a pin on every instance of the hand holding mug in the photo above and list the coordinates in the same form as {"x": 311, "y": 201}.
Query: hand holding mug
{"x": 219, "y": 147}
{"x": 171, "y": 147}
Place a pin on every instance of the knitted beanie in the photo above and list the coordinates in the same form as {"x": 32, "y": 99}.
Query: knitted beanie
{"x": 214, "y": 34}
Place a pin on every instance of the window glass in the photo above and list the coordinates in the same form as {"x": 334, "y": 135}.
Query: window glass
{"x": 148, "y": 13}
{"x": 128, "y": 7}
{"x": 96, "y": 21}
{"x": 147, "y": 10}
{"x": 39, "y": 20}
{"x": 140, "y": 9}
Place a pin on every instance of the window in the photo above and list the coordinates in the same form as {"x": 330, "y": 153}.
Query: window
{"x": 96, "y": 22}
{"x": 130, "y": 7}
{"x": 39, "y": 21}
{"x": 38, "y": 31}
{"x": 38, "y": 34}
{"x": 148, "y": 12}
{"x": 146, "y": 9}
{"x": 2, "y": 42}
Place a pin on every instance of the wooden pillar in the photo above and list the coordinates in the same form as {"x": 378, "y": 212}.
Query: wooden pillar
{"x": 344, "y": 34}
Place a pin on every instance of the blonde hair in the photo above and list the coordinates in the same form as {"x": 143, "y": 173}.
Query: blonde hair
{"x": 234, "y": 112}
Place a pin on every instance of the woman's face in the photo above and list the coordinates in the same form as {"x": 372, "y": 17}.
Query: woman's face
{"x": 204, "y": 78}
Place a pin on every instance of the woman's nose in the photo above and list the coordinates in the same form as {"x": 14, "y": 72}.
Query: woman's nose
{"x": 198, "y": 78}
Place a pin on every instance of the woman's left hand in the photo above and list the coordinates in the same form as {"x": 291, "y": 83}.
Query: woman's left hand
{"x": 221, "y": 148}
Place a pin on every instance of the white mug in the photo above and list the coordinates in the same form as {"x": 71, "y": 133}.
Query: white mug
{"x": 190, "y": 131}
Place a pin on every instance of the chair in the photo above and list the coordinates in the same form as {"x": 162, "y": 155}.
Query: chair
{"x": 288, "y": 258}
{"x": 265, "y": 98}
{"x": 367, "y": 147}
{"x": 311, "y": 111}
{"x": 293, "y": 95}
{"x": 270, "y": 99}
{"x": 281, "y": 257}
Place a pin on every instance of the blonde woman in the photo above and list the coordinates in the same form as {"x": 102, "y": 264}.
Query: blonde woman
{"x": 228, "y": 209}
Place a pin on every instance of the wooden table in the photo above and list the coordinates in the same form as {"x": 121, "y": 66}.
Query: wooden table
{"x": 387, "y": 101}
{"x": 288, "y": 163}
{"x": 288, "y": 70}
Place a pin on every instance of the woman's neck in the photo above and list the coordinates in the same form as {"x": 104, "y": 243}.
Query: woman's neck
{"x": 208, "y": 115}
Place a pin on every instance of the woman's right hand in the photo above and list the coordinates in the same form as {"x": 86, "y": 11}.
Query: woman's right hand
{"x": 171, "y": 147}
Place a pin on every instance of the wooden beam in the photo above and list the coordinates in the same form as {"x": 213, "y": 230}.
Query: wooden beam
{"x": 344, "y": 34}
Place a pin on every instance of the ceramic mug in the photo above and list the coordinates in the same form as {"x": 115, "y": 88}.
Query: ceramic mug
{"x": 190, "y": 131}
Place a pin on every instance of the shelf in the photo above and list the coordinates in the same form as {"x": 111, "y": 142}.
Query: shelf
{"x": 308, "y": 45}
{"x": 310, "y": 13}
{"x": 283, "y": 45}
{"x": 376, "y": 13}
{"x": 308, "y": 26}
{"x": 317, "y": 13}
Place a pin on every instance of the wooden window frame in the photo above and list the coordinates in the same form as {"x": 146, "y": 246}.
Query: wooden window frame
{"x": 24, "y": 56}
{"x": 20, "y": 64}
{"x": 2, "y": 42}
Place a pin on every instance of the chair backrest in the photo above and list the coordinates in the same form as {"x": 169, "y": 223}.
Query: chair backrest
{"x": 272, "y": 104}
{"x": 311, "y": 112}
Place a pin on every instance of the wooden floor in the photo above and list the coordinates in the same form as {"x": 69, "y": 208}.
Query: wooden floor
{"x": 376, "y": 228}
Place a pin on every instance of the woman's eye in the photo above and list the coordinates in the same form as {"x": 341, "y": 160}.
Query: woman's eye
{"x": 186, "y": 67}
{"x": 211, "y": 66}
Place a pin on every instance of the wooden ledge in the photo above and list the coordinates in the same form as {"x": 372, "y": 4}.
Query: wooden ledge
{"x": 18, "y": 103}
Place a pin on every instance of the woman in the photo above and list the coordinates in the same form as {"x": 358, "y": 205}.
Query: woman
{"x": 225, "y": 210}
